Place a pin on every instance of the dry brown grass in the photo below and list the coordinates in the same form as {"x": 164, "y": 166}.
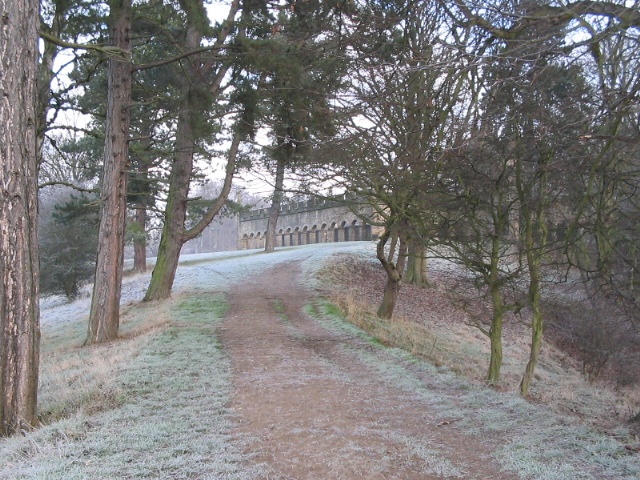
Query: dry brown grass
{"x": 81, "y": 380}
{"x": 405, "y": 333}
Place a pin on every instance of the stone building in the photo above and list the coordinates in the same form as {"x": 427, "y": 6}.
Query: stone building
{"x": 318, "y": 220}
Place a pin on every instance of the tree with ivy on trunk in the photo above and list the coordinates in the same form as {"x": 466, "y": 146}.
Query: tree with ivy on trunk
{"x": 546, "y": 109}
{"x": 475, "y": 222}
{"x": 545, "y": 119}
{"x": 19, "y": 310}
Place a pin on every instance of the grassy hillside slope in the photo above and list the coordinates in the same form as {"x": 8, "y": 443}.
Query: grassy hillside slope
{"x": 153, "y": 404}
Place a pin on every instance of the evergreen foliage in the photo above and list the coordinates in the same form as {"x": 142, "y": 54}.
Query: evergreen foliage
{"x": 68, "y": 243}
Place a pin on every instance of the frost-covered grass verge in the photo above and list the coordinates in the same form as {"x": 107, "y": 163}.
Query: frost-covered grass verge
{"x": 537, "y": 443}
{"x": 163, "y": 413}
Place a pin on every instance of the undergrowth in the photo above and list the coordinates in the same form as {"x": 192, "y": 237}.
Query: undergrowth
{"x": 438, "y": 347}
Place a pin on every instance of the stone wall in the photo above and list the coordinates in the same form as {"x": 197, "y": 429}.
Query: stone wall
{"x": 313, "y": 221}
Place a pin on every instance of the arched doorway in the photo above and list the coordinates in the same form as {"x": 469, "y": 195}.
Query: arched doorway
{"x": 336, "y": 233}
{"x": 323, "y": 233}
{"x": 367, "y": 235}
{"x": 344, "y": 232}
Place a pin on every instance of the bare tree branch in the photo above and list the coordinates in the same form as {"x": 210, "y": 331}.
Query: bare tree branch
{"x": 67, "y": 184}
{"x": 113, "y": 52}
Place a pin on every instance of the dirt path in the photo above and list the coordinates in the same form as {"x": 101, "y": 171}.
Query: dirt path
{"x": 313, "y": 410}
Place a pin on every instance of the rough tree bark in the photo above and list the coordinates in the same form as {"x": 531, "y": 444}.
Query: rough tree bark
{"x": 535, "y": 234}
{"x": 174, "y": 234}
{"x": 104, "y": 317}
{"x": 495, "y": 282}
{"x": 19, "y": 310}
{"x": 537, "y": 323}
{"x": 534, "y": 229}
{"x": 171, "y": 240}
{"x": 495, "y": 332}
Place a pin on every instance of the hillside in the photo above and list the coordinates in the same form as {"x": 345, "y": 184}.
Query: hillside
{"x": 250, "y": 372}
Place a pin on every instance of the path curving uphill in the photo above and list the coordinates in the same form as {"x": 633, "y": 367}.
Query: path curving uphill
{"x": 279, "y": 388}
{"x": 313, "y": 409}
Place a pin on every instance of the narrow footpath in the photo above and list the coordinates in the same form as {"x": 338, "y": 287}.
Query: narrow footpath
{"x": 312, "y": 409}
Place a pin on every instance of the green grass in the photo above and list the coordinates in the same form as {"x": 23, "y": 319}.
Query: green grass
{"x": 169, "y": 419}
{"x": 279, "y": 308}
{"x": 205, "y": 308}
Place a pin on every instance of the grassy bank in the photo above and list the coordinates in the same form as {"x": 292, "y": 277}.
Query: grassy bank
{"x": 538, "y": 442}
{"x": 151, "y": 405}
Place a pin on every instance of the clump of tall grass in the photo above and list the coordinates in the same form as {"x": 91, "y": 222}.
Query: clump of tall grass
{"x": 441, "y": 348}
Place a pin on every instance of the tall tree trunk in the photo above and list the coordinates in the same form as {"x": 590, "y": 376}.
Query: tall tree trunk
{"x": 495, "y": 336}
{"x": 164, "y": 271}
{"x": 19, "y": 310}
{"x": 534, "y": 241}
{"x": 416, "y": 264}
{"x": 175, "y": 213}
{"x": 537, "y": 329}
{"x": 140, "y": 243}
{"x": 104, "y": 317}
{"x": 174, "y": 235}
{"x": 493, "y": 281}
{"x": 276, "y": 204}
{"x": 535, "y": 298}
